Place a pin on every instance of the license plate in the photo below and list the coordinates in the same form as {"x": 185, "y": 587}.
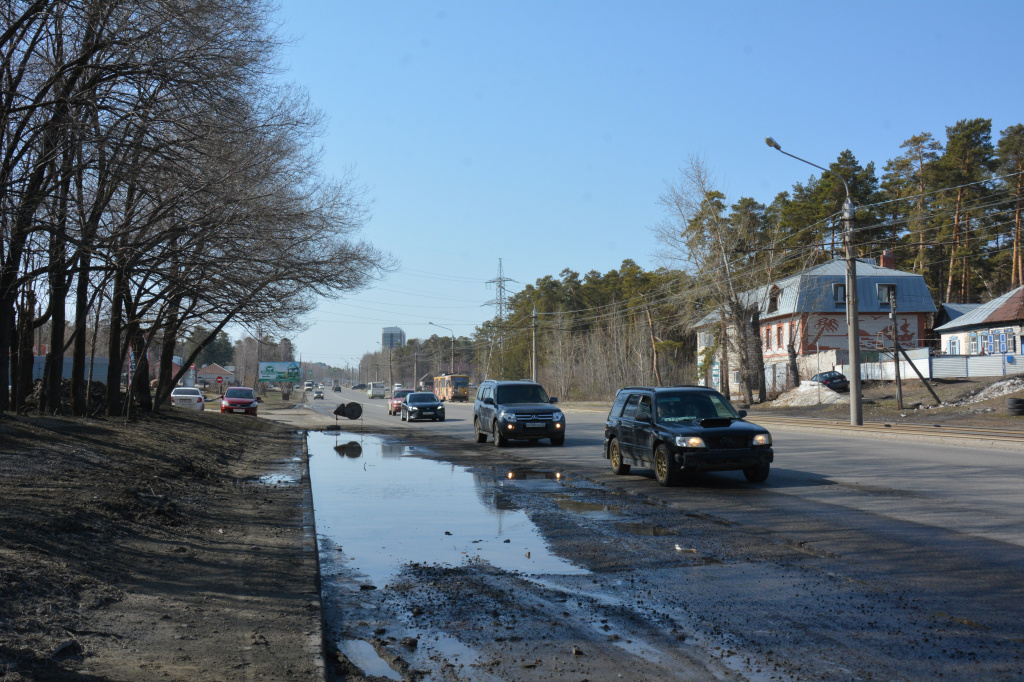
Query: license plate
{"x": 238, "y": 410}
{"x": 535, "y": 425}
{"x": 428, "y": 414}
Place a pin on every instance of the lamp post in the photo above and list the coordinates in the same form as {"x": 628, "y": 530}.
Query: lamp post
{"x": 852, "y": 316}
{"x": 452, "y": 371}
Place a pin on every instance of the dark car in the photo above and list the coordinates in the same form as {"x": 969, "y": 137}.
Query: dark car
{"x": 239, "y": 399}
{"x": 516, "y": 410}
{"x": 682, "y": 430}
{"x": 422, "y": 405}
{"x": 359, "y": 387}
{"x": 834, "y": 380}
{"x": 337, "y": 388}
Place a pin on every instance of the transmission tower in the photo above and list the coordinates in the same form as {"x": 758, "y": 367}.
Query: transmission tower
{"x": 500, "y": 302}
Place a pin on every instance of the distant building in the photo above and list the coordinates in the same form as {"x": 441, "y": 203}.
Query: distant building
{"x": 392, "y": 337}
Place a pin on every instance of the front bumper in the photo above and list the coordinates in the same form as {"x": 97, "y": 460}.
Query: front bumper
{"x": 425, "y": 414}
{"x": 237, "y": 409}
{"x": 723, "y": 460}
{"x": 531, "y": 430}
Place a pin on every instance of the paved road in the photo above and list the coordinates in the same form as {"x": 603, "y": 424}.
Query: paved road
{"x": 976, "y": 492}
{"x": 942, "y": 526}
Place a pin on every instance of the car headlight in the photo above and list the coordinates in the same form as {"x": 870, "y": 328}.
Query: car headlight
{"x": 690, "y": 442}
{"x": 508, "y": 416}
{"x": 558, "y": 416}
{"x": 762, "y": 439}
{"x": 413, "y": 409}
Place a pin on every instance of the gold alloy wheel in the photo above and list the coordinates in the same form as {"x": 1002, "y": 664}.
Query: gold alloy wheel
{"x": 616, "y": 456}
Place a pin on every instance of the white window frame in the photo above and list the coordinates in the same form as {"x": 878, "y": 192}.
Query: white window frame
{"x": 972, "y": 347}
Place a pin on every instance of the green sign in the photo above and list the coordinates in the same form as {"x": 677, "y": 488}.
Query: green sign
{"x": 279, "y": 371}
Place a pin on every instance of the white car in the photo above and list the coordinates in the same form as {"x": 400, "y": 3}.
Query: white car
{"x": 191, "y": 398}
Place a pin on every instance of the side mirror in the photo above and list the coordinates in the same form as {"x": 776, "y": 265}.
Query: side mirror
{"x": 488, "y": 401}
{"x": 259, "y": 399}
{"x": 742, "y": 413}
{"x": 553, "y": 401}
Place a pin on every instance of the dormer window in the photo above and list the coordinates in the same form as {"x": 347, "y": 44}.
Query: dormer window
{"x": 773, "y": 300}
{"x": 839, "y": 293}
{"x": 886, "y": 294}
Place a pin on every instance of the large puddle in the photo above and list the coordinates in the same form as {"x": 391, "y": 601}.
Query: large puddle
{"x": 382, "y": 509}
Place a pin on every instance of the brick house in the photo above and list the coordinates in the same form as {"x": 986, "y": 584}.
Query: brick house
{"x": 808, "y": 311}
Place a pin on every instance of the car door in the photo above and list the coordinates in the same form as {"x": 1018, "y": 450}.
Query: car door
{"x": 643, "y": 430}
{"x": 627, "y": 424}
{"x": 485, "y": 412}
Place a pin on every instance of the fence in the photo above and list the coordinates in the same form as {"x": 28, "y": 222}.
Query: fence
{"x": 942, "y": 366}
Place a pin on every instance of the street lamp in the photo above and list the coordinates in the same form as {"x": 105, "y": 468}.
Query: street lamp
{"x": 852, "y": 317}
{"x": 453, "y": 345}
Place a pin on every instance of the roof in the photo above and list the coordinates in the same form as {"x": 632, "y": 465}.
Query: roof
{"x": 811, "y": 291}
{"x": 1007, "y": 308}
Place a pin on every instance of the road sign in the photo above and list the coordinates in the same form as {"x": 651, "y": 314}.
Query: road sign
{"x": 220, "y": 380}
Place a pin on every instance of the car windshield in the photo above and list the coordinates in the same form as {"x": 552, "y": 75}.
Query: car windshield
{"x": 521, "y": 393}
{"x": 402, "y": 394}
{"x": 186, "y": 391}
{"x": 459, "y": 382}
{"x": 239, "y": 393}
{"x": 685, "y": 406}
{"x": 421, "y": 398}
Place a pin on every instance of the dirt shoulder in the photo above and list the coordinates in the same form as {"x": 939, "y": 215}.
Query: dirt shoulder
{"x": 154, "y": 549}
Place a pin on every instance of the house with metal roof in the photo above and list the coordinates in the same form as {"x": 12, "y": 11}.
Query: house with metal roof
{"x": 988, "y": 329}
{"x": 807, "y": 310}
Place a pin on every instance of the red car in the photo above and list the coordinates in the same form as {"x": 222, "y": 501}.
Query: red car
{"x": 239, "y": 399}
{"x": 395, "y": 401}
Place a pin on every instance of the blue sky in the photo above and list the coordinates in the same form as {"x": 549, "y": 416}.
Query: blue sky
{"x": 543, "y": 133}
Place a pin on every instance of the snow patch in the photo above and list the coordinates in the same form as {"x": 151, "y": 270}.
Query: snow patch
{"x": 997, "y": 389}
{"x": 809, "y": 393}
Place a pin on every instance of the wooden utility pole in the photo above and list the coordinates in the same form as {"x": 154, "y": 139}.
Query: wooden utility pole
{"x": 895, "y": 344}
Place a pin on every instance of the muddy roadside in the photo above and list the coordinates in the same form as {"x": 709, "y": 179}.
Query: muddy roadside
{"x": 172, "y": 547}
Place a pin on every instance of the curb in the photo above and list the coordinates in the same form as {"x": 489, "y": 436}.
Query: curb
{"x": 317, "y": 643}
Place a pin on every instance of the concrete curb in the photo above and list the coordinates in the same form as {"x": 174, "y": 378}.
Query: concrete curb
{"x": 317, "y": 644}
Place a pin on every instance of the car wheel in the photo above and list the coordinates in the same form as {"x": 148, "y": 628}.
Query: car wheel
{"x": 616, "y": 457}
{"x": 440, "y": 419}
{"x": 758, "y": 474}
{"x": 481, "y": 437}
{"x": 499, "y": 437}
{"x": 663, "y": 467}
{"x": 558, "y": 440}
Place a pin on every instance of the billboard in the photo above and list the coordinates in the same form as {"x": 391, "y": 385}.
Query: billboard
{"x": 279, "y": 371}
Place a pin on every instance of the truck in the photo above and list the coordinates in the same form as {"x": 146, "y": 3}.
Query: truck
{"x": 375, "y": 389}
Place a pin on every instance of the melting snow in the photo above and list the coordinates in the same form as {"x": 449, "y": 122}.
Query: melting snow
{"x": 809, "y": 393}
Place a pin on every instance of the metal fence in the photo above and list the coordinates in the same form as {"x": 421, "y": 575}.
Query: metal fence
{"x": 942, "y": 366}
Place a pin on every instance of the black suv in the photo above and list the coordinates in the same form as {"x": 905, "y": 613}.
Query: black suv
{"x": 683, "y": 429}
{"x": 516, "y": 410}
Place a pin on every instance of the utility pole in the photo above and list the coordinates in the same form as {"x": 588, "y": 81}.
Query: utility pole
{"x": 895, "y": 345}
{"x": 852, "y": 314}
{"x": 534, "y": 362}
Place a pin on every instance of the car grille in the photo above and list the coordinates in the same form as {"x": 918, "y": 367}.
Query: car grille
{"x": 727, "y": 442}
{"x": 535, "y": 416}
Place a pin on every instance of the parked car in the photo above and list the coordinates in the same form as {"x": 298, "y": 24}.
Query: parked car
{"x": 239, "y": 399}
{"x": 682, "y": 430}
{"x": 191, "y": 398}
{"x": 318, "y": 393}
{"x": 516, "y": 410}
{"x": 395, "y": 401}
{"x": 422, "y": 405}
{"x": 834, "y": 380}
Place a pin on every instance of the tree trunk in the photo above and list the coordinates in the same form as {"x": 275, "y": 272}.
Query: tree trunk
{"x": 79, "y": 399}
{"x": 114, "y": 353}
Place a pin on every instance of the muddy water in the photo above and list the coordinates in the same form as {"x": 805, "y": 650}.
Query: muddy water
{"x": 379, "y": 508}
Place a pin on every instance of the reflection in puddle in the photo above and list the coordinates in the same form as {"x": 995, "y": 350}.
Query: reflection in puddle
{"x": 591, "y": 510}
{"x": 643, "y": 529}
{"x": 386, "y": 510}
{"x": 362, "y": 654}
{"x": 352, "y": 449}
